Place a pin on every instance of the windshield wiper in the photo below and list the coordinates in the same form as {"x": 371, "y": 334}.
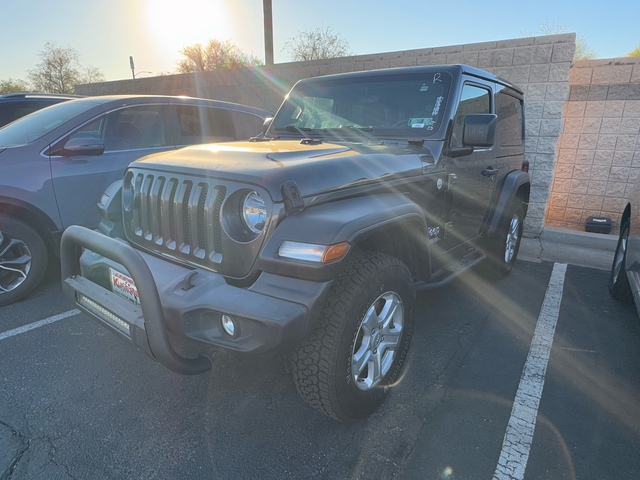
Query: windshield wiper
{"x": 301, "y": 130}
{"x": 364, "y": 131}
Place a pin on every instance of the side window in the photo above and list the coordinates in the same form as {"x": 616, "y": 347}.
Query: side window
{"x": 510, "y": 120}
{"x": 474, "y": 99}
{"x": 128, "y": 128}
{"x": 246, "y": 125}
{"x": 204, "y": 125}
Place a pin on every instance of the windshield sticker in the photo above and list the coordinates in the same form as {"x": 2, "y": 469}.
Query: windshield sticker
{"x": 420, "y": 122}
{"x": 424, "y": 87}
{"x": 436, "y": 107}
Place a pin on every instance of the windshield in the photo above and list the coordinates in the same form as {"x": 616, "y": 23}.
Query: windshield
{"x": 32, "y": 127}
{"x": 403, "y": 105}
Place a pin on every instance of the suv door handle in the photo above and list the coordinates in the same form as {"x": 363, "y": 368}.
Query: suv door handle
{"x": 489, "y": 171}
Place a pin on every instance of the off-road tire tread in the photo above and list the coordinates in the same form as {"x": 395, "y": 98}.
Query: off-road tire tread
{"x": 620, "y": 290}
{"x": 310, "y": 362}
{"x": 495, "y": 266}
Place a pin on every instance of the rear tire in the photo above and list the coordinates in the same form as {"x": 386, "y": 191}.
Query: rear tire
{"x": 344, "y": 367}
{"x": 619, "y": 287}
{"x": 502, "y": 248}
{"x": 23, "y": 259}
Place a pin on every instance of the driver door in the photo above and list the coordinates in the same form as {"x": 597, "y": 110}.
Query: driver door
{"x": 471, "y": 178}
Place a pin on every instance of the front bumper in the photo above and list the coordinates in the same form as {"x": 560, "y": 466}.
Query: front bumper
{"x": 275, "y": 311}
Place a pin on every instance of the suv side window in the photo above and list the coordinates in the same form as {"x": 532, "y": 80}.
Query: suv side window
{"x": 128, "y": 128}
{"x": 474, "y": 99}
{"x": 246, "y": 125}
{"x": 14, "y": 110}
{"x": 510, "y": 131}
{"x": 203, "y": 125}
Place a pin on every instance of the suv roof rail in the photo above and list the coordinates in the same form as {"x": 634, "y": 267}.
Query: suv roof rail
{"x": 35, "y": 94}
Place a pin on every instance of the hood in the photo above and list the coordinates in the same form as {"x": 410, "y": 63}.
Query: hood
{"x": 319, "y": 168}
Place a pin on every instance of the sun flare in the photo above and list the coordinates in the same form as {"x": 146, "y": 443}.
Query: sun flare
{"x": 175, "y": 24}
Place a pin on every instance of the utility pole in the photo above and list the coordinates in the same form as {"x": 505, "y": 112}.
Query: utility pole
{"x": 268, "y": 32}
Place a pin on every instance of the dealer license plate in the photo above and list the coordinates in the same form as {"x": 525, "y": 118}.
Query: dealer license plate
{"x": 124, "y": 286}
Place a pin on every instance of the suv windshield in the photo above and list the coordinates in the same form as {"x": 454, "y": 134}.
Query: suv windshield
{"x": 402, "y": 105}
{"x": 30, "y": 128}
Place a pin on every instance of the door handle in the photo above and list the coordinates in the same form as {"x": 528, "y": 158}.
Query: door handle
{"x": 489, "y": 171}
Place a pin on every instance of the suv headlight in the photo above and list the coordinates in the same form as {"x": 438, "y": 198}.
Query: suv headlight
{"x": 254, "y": 212}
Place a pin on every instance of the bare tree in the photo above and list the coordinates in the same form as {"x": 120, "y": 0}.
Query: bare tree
{"x": 215, "y": 55}
{"x": 91, "y": 74}
{"x": 316, "y": 44}
{"x": 13, "y": 86}
{"x": 59, "y": 70}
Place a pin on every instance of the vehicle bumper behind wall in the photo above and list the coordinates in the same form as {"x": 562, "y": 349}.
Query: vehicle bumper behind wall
{"x": 190, "y": 303}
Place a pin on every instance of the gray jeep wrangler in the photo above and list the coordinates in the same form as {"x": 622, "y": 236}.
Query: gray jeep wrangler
{"x": 313, "y": 238}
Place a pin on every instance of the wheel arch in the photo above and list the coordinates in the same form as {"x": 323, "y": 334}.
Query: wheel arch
{"x": 387, "y": 223}
{"x": 516, "y": 184}
{"x": 36, "y": 219}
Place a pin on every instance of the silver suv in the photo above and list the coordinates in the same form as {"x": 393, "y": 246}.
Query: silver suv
{"x": 17, "y": 105}
{"x": 56, "y": 163}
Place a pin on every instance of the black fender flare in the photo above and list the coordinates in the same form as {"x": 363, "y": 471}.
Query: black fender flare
{"x": 513, "y": 182}
{"x": 349, "y": 220}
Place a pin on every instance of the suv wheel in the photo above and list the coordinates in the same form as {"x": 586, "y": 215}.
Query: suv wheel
{"x": 618, "y": 281}
{"x": 343, "y": 369}
{"x": 502, "y": 249}
{"x": 23, "y": 259}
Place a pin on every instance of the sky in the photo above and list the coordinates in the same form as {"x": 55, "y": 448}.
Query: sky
{"x": 105, "y": 33}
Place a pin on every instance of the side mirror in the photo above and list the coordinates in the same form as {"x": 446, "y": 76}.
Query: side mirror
{"x": 479, "y": 130}
{"x": 78, "y": 146}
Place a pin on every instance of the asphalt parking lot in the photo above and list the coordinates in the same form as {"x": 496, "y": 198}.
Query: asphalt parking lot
{"x": 498, "y": 385}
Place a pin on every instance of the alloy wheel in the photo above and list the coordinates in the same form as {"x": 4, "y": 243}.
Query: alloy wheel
{"x": 15, "y": 263}
{"x": 377, "y": 340}
{"x": 513, "y": 234}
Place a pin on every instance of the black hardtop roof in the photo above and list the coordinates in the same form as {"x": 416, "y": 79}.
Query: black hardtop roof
{"x": 452, "y": 69}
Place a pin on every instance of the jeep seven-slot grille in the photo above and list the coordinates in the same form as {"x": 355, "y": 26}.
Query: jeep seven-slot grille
{"x": 176, "y": 216}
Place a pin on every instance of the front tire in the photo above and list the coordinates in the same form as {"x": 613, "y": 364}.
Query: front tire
{"x": 23, "y": 259}
{"x": 344, "y": 367}
{"x": 619, "y": 287}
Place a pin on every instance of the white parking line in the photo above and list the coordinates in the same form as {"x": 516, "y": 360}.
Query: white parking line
{"x": 519, "y": 435}
{"x": 38, "y": 324}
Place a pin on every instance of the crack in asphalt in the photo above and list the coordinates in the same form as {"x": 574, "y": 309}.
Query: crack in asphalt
{"x": 24, "y": 444}
{"x": 51, "y": 454}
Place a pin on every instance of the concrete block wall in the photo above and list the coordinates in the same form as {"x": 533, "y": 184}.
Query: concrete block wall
{"x": 538, "y": 65}
{"x": 599, "y": 154}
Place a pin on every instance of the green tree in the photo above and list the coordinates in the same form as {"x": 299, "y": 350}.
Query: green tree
{"x": 59, "y": 70}
{"x": 583, "y": 50}
{"x": 316, "y": 44}
{"x": 215, "y": 55}
{"x": 13, "y": 86}
{"x": 635, "y": 52}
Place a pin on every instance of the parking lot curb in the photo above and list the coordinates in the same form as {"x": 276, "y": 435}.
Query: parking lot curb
{"x": 594, "y": 250}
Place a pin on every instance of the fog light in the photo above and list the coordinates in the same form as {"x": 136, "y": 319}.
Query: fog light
{"x": 228, "y": 325}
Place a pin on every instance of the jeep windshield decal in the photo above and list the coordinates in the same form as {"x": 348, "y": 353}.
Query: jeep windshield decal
{"x": 398, "y": 106}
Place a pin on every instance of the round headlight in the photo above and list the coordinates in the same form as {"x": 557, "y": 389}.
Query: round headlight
{"x": 254, "y": 212}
